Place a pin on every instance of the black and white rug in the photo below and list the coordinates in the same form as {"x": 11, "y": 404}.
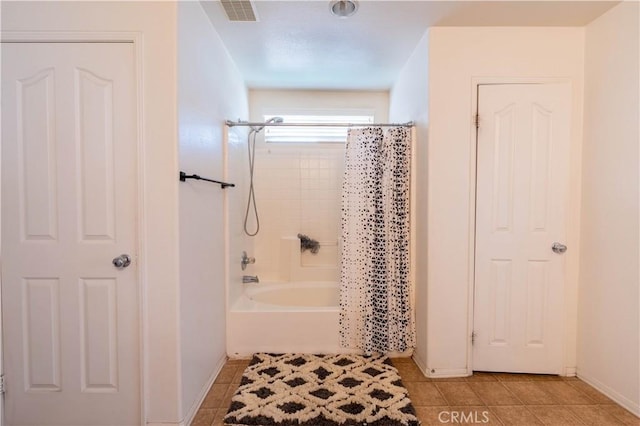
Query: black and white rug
{"x": 321, "y": 390}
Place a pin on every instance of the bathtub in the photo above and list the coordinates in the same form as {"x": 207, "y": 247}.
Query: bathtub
{"x": 285, "y": 317}
{"x": 300, "y": 295}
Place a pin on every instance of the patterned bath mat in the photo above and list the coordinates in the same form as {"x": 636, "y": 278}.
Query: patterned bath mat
{"x": 321, "y": 390}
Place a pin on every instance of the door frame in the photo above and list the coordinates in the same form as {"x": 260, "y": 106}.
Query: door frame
{"x": 136, "y": 39}
{"x": 573, "y": 209}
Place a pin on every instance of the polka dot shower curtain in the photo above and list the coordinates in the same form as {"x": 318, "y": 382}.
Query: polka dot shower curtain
{"x": 375, "y": 293}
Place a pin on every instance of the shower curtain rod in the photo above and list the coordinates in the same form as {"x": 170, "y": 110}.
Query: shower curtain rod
{"x": 246, "y": 123}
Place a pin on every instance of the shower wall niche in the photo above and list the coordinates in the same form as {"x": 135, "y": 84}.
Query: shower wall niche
{"x": 298, "y": 187}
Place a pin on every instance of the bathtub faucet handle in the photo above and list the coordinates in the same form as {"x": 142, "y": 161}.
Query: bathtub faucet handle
{"x": 246, "y": 260}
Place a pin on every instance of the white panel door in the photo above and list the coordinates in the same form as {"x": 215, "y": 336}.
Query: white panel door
{"x": 69, "y": 180}
{"x": 522, "y": 181}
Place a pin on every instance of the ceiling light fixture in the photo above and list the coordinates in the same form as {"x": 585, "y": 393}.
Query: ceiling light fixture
{"x": 343, "y": 8}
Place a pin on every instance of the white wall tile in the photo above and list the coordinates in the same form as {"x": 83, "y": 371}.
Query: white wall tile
{"x": 298, "y": 188}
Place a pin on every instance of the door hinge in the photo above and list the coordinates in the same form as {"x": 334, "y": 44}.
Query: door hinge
{"x": 476, "y": 120}
{"x": 2, "y": 389}
{"x": 473, "y": 337}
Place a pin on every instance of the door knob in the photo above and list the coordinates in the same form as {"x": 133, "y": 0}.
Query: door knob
{"x": 122, "y": 261}
{"x": 558, "y": 248}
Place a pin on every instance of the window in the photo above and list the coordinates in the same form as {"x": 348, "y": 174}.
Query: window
{"x": 313, "y": 134}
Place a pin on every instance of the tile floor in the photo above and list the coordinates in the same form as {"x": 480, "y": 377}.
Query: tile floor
{"x": 484, "y": 398}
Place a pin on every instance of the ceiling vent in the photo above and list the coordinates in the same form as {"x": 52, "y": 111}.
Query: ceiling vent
{"x": 239, "y": 10}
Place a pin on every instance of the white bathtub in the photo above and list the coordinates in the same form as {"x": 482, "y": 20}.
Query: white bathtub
{"x": 299, "y": 296}
{"x": 285, "y": 317}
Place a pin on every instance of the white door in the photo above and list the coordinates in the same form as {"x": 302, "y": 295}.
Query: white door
{"x": 522, "y": 181}
{"x": 69, "y": 181}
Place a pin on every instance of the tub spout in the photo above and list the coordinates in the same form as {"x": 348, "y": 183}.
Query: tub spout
{"x": 250, "y": 279}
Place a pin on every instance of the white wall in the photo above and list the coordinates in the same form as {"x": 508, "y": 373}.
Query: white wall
{"x": 298, "y": 187}
{"x": 409, "y": 102}
{"x": 210, "y": 90}
{"x": 608, "y": 333}
{"x": 458, "y": 57}
{"x": 158, "y": 257}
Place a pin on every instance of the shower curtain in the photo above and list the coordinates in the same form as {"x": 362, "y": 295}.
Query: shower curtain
{"x": 375, "y": 294}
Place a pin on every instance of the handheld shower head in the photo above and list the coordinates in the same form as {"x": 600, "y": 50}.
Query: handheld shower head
{"x": 251, "y": 145}
{"x": 276, "y": 120}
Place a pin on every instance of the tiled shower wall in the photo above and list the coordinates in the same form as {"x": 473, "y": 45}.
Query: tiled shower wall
{"x": 298, "y": 187}
{"x": 297, "y": 191}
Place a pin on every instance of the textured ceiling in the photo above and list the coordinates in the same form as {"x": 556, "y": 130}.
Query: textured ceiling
{"x": 299, "y": 44}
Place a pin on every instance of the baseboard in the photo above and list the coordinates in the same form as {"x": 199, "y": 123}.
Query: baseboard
{"x": 418, "y": 360}
{"x": 570, "y": 371}
{"x": 440, "y": 372}
{"x": 203, "y": 394}
{"x": 435, "y": 373}
{"x": 632, "y": 406}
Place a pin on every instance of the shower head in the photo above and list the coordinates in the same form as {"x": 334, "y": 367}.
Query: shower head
{"x": 276, "y": 120}
{"x": 251, "y": 145}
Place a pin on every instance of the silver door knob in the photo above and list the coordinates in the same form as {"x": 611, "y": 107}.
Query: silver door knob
{"x": 122, "y": 261}
{"x": 558, "y": 248}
